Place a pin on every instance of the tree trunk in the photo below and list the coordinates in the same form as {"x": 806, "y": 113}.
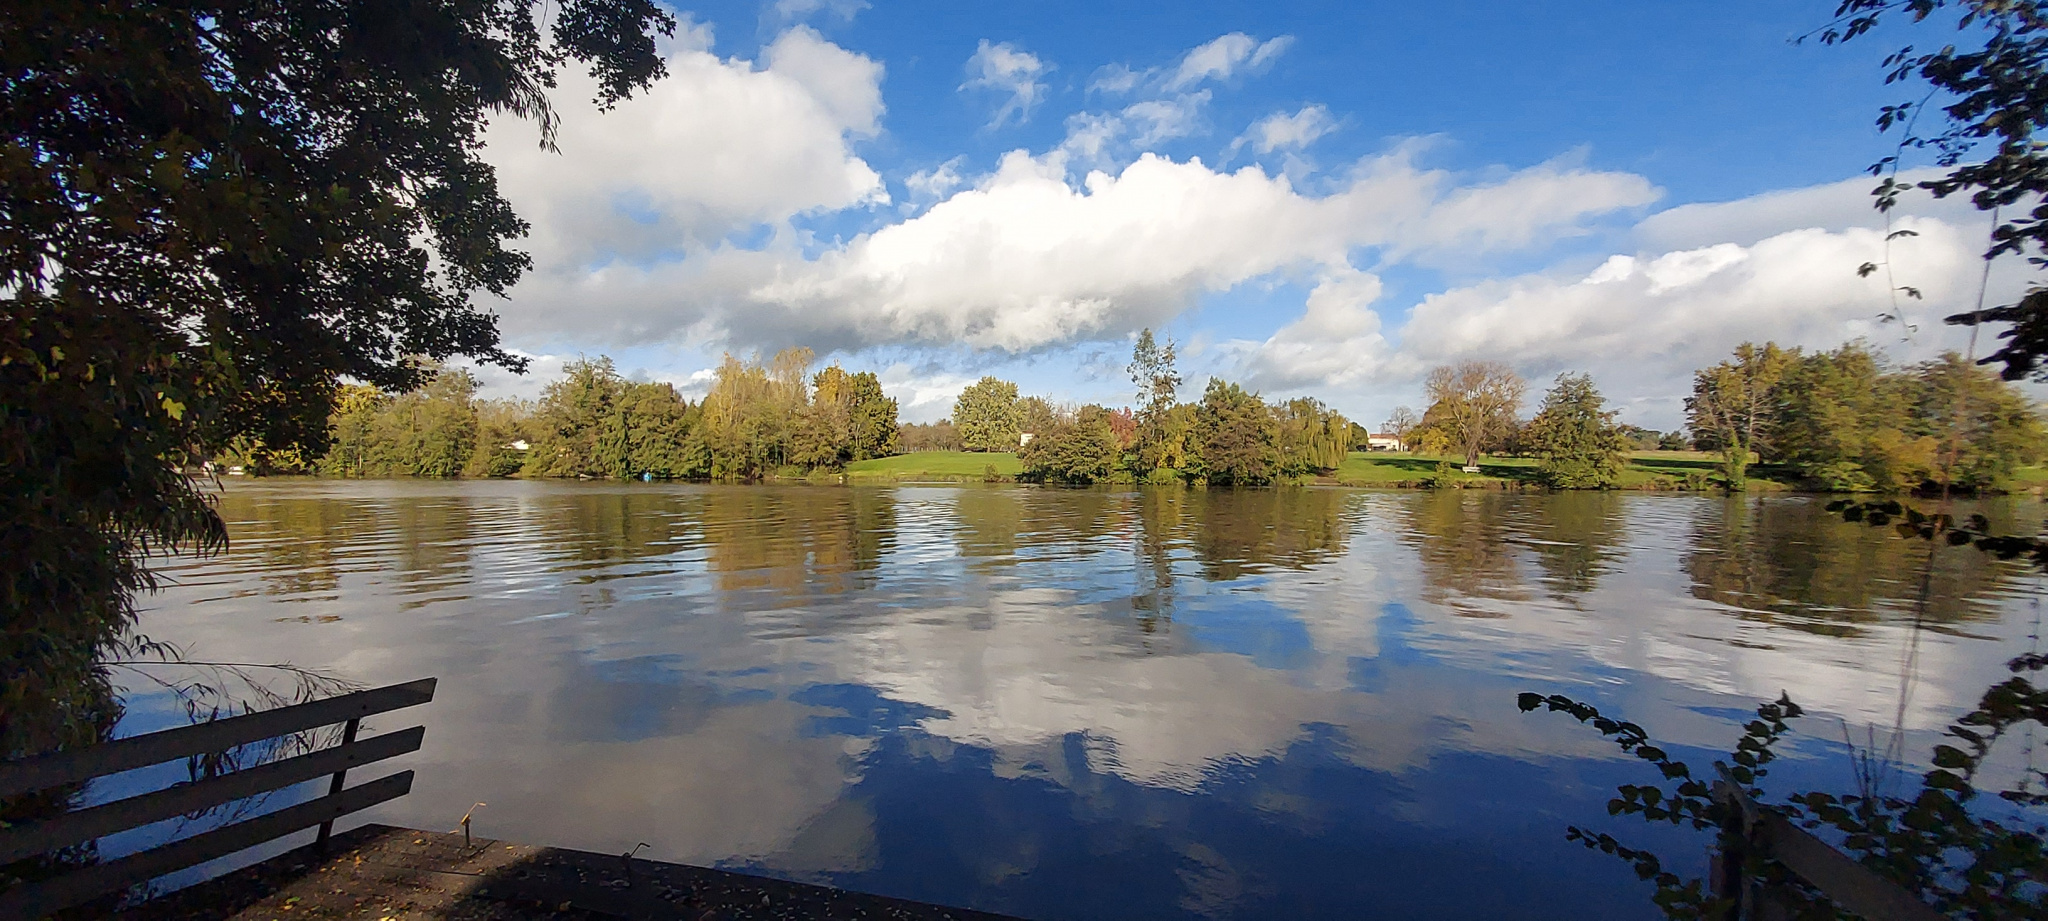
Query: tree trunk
{"x": 1735, "y": 465}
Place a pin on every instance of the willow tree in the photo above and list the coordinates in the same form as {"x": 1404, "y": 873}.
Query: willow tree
{"x": 210, "y": 214}
{"x": 1313, "y": 437}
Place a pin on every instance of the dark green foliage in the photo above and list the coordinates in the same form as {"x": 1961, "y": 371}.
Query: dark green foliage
{"x": 209, "y": 214}
{"x": 1077, "y": 448}
{"x": 1843, "y": 421}
{"x": 353, "y": 432}
{"x": 595, "y": 423}
{"x": 873, "y": 429}
{"x": 848, "y": 419}
{"x": 1238, "y": 437}
{"x": 571, "y": 415}
{"x": 1828, "y": 408}
{"x": 1985, "y": 429}
{"x": 89, "y": 484}
{"x": 1575, "y": 435}
{"x": 988, "y": 416}
{"x": 656, "y": 425}
{"x": 430, "y": 432}
{"x": 504, "y": 436}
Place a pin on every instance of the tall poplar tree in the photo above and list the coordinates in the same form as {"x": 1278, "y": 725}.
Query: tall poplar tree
{"x": 1161, "y": 432}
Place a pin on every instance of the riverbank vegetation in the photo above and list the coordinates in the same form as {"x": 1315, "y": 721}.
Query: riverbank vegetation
{"x": 1766, "y": 418}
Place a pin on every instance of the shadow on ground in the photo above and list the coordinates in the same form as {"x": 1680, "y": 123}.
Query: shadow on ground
{"x": 378, "y": 872}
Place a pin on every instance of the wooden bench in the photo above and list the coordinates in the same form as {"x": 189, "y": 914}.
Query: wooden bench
{"x": 80, "y": 826}
{"x": 1753, "y": 830}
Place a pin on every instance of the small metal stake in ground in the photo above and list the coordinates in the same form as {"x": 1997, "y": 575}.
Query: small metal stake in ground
{"x": 466, "y": 843}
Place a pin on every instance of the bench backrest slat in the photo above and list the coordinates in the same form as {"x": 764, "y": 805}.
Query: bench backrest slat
{"x": 42, "y": 898}
{"x": 97, "y": 821}
{"x": 66, "y": 767}
{"x": 1846, "y": 883}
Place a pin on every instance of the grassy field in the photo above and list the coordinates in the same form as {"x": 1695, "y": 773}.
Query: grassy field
{"x": 2029, "y": 477}
{"x": 934, "y": 466}
{"x": 1646, "y": 469}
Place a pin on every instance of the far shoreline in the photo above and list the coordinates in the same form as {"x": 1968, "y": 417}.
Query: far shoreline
{"x": 1682, "y": 472}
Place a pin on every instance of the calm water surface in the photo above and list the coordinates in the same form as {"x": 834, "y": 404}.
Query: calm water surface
{"x": 1090, "y": 704}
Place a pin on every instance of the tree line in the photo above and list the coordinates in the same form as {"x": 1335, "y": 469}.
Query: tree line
{"x": 1229, "y": 437}
{"x": 1841, "y": 420}
{"x": 759, "y": 418}
{"x": 1844, "y": 420}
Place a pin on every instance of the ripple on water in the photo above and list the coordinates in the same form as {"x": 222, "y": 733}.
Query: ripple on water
{"x": 1087, "y": 703}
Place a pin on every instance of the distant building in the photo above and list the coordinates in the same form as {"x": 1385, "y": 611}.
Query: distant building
{"x": 519, "y": 445}
{"x": 1023, "y": 439}
{"x": 1383, "y": 441}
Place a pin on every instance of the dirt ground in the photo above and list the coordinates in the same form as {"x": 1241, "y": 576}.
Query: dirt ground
{"x": 381, "y": 873}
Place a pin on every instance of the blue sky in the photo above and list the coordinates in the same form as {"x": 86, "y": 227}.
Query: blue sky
{"x": 1321, "y": 199}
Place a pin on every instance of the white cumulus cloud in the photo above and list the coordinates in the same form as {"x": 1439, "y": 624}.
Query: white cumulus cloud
{"x": 1686, "y": 308}
{"x": 719, "y": 146}
{"x": 1642, "y": 322}
{"x": 1027, "y": 260}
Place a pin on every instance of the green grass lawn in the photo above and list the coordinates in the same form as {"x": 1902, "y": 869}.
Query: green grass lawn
{"x": 1378, "y": 468}
{"x": 947, "y": 466}
{"x": 1645, "y": 468}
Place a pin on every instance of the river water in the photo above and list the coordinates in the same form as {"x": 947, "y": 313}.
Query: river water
{"x": 1292, "y": 703}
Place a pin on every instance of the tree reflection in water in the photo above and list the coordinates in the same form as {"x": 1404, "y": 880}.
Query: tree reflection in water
{"x": 1103, "y": 702}
{"x": 1462, "y": 541}
{"x": 796, "y": 540}
{"x": 1229, "y": 534}
{"x": 1787, "y": 562}
{"x": 1576, "y": 538}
